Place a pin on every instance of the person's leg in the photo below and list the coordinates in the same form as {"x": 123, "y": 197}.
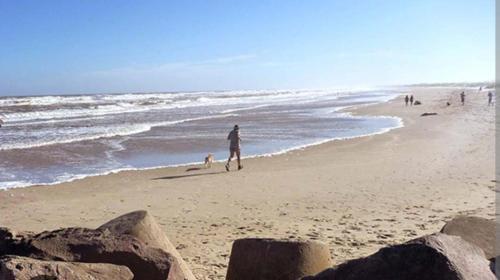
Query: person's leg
{"x": 238, "y": 157}
{"x": 231, "y": 155}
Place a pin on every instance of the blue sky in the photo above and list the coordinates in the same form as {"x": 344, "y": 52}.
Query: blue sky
{"x": 72, "y": 47}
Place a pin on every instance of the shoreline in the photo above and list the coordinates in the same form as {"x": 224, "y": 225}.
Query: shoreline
{"x": 356, "y": 195}
{"x": 349, "y": 110}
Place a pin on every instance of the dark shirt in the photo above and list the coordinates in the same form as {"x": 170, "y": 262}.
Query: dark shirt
{"x": 234, "y": 138}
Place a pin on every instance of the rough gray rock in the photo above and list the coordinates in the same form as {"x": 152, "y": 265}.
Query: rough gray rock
{"x": 475, "y": 230}
{"x": 432, "y": 257}
{"x": 8, "y": 237}
{"x": 143, "y": 226}
{"x": 95, "y": 246}
{"x": 22, "y": 268}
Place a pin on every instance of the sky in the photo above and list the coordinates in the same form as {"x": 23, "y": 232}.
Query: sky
{"x": 95, "y": 46}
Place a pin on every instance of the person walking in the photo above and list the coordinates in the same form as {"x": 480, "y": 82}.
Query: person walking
{"x": 490, "y": 98}
{"x": 462, "y": 98}
{"x": 234, "y": 147}
{"x": 411, "y": 100}
{"x": 406, "y": 100}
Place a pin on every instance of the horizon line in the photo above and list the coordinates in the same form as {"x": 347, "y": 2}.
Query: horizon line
{"x": 430, "y": 84}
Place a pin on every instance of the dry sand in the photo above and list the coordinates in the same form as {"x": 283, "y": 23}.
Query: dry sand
{"x": 355, "y": 195}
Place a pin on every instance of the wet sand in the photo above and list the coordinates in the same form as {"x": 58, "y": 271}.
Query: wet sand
{"x": 355, "y": 195}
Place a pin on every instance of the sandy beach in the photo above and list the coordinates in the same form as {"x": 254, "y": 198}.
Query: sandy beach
{"x": 355, "y": 195}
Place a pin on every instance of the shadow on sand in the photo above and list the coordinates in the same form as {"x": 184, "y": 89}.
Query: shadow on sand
{"x": 194, "y": 169}
{"x": 188, "y": 175}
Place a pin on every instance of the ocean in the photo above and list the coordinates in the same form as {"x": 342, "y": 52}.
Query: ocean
{"x": 51, "y": 139}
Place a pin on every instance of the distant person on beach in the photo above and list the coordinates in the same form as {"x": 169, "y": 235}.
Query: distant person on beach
{"x": 1, "y": 122}
{"x": 234, "y": 146}
{"x": 406, "y": 100}
{"x": 462, "y": 98}
{"x": 411, "y": 100}
{"x": 490, "y": 98}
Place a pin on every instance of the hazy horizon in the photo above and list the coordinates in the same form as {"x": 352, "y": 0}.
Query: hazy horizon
{"x": 340, "y": 88}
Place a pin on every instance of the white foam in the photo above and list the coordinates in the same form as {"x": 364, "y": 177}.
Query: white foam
{"x": 70, "y": 178}
{"x": 15, "y": 184}
{"x": 244, "y": 108}
{"x": 94, "y": 133}
{"x": 45, "y": 100}
{"x": 225, "y": 104}
{"x": 134, "y": 103}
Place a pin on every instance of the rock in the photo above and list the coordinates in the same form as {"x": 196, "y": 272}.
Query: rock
{"x": 143, "y": 226}
{"x": 437, "y": 256}
{"x": 95, "y": 246}
{"x": 8, "y": 236}
{"x": 22, "y": 268}
{"x": 476, "y": 230}
{"x": 267, "y": 259}
{"x": 428, "y": 114}
{"x": 417, "y": 102}
{"x": 493, "y": 266}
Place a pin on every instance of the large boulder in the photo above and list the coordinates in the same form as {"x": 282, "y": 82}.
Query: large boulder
{"x": 267, "y": 259}
{"x": 6, "y": 237}
{"x": 22, "y": 268}
{"x": 95, "y": 246}
{"x": 9, "y": 236}
{"x": 476, "y": 230}
{"x": 143, "y": 226}
{"x": 437, "y": 256}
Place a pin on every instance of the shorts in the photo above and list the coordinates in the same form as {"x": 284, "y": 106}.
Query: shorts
{"x": 234, "y": 150}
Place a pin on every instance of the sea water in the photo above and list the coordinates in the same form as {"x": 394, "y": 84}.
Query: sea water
{"x": 51, "y": 139}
